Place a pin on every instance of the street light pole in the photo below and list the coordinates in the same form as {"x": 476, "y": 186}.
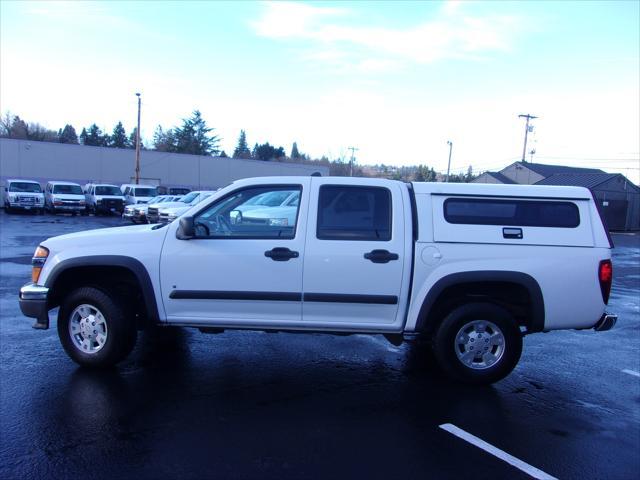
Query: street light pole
{"x": 450, "y": 143}
{"x": 138, "y": 144}
{"x": 526, "y": 132}
{"x": 353, "y": 150}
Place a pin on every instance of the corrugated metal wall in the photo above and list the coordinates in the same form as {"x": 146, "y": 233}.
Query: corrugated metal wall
{"x": 44, "y": 161}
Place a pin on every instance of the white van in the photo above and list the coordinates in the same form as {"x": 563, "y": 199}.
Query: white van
{"x": 103, "y": 198}
{"x": 134, "y": 194}
{"x": 23, "y": 195}
{"x": 64, "y": 197}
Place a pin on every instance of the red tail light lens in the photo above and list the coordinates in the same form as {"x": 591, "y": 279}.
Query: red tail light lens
{"x": 605, "y": 276}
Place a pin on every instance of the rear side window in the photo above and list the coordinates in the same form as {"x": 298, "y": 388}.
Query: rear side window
{"x": 354, "y": 213}
{"x": 523, "y": 213}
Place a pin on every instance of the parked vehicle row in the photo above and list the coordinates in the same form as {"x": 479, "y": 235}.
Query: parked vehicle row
{"x": 70, "y": 197}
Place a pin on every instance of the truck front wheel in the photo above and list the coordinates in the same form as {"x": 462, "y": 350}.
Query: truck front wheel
{"x": 94, "y": 328}
{"x": 478, "y": 343}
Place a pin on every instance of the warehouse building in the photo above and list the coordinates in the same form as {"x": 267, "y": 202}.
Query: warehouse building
{"x": 616, "y": 196}
{"x": 44, "y": 161}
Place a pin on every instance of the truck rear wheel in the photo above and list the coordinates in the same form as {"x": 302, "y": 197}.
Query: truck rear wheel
{"x": 94, "y": 328}
{"x": 478, "y": 343}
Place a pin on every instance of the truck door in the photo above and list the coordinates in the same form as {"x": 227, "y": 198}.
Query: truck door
{"x": 356, "y": 255}
{"x": 241, "y": 268}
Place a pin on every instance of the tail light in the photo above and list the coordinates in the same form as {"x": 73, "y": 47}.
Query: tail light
{"x": 605, "y": 276}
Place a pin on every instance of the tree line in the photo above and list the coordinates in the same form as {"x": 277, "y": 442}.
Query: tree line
{"x": 193, "y": 136}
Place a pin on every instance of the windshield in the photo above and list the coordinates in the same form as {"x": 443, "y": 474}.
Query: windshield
{"x": 25, "y": 187}
{"x": 145, "y": 192}
{"x": 201, "y": 198}
{"x": 189, "y": 197}
{"x": 108, "y": 190}
{"x": 69, "y": 189}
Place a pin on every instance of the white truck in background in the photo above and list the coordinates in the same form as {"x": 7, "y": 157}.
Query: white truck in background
{"x": 471, "y": 267}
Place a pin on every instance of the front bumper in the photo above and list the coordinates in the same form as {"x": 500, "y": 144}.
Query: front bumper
{"x": 26, "y": 206}
{"x": 606, "y": 322}
{"x": 33, "y": 304}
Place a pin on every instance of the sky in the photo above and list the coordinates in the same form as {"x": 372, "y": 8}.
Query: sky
{"x": 396, "y": 80}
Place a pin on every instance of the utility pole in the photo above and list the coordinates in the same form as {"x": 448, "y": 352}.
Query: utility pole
{"x": 526, "y": 132}
{"x": 353, "y": 150}
{"x": 138, "y": 144}
{"x": 450, "y": 143}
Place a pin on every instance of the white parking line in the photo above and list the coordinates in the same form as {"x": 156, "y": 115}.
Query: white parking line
{"x": 511, "y": 460}
{"x": 631, "y": 372}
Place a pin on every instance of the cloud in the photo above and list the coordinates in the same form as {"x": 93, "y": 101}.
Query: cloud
{"x": 451, "y": 33}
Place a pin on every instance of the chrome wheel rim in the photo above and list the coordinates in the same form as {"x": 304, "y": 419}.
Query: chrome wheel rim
{"x": 88, "y": 329}
{"x": 479, "y": 344}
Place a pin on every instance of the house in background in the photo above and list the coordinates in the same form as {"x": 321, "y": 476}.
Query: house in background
{"x": 617, "y": 197}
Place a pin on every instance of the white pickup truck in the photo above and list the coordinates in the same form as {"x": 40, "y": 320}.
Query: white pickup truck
{"x": 472, "y": 268}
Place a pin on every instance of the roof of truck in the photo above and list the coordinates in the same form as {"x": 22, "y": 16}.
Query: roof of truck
{"x": 492, "y": 189}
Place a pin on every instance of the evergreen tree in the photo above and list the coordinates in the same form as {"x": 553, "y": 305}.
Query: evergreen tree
{"x": 83, "y": 136}
{"x": 163, "y": 141}
{"x": 195, "y": 137}
{"x": 68, "y": 135}
{"x": 295, "y": 154}
{"x": 267, "y": 152}
{"x": 132, "y": 139}
{"x": 242, "y": 149}
{"x": 118, "y": 138}
{"x": 223, "y": 154}
{"x": 95, "y": 137}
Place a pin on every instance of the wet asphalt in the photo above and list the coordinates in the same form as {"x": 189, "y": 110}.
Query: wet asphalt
{"x": 260, "y": 405}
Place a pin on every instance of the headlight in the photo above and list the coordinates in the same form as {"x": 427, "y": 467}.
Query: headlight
{"x": 37, "y": 262}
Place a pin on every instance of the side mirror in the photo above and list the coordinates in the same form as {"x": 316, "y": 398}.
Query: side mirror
{"x": 236, "y": 217}
{"x": 186, "y": 230}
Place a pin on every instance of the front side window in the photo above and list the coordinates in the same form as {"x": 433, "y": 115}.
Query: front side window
{"x": 522, "y": 213}
{"x": 67, "y": 189}
{"x": 25, "y": 187}
{"x": 240, "y": 215}
{"x": 354, "y": 213}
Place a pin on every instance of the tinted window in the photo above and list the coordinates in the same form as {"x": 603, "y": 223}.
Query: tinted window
{"x": 107, "y": 190}
{"x": 238, "y": 215}
{"x": 523, "y": 213}
{"x": 354, "y": 213}
{"x": 68, "y": 189}
{"x": 146, "y": 192}
{"x": 25, "y": 187}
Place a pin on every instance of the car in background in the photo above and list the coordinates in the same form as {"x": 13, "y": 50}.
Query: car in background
{"x": 169, "y": 213}
{"x": 103, "y": 198}
{"x": 135, "y": 194}
{"x": 261, "y": 207}
{"x": 140, "y": 211}
{"x": 23, "y": 195}
{"x": 64, "y": 197}
{"x": 162, "y": 190}
{"x": 153, "y": 214}
{"x": 283, "y": 215}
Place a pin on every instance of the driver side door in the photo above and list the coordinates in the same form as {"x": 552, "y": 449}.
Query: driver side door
{"x": 239, "y": 270}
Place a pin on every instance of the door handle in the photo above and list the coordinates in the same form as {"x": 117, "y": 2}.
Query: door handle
{"x": 512, "y": 233}
{"x": 381, "y": 256}
{"x": 281, "y": 254}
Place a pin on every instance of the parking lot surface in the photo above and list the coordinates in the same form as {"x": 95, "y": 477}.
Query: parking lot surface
{"x": 260, "y": 405}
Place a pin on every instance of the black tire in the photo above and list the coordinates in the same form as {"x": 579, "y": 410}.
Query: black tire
{"x": 120, "y": 324}
{"x": 445, "y": 344}
{"x": 7, "y": 210}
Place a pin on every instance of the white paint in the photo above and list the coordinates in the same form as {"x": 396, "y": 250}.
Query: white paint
{"x": 631, "y": 372}
{"x": 510, "y": 459}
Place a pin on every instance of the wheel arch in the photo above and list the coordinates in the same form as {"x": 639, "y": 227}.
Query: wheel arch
{"x": 505, "y": 288}
{"x": 132, "y": 270}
